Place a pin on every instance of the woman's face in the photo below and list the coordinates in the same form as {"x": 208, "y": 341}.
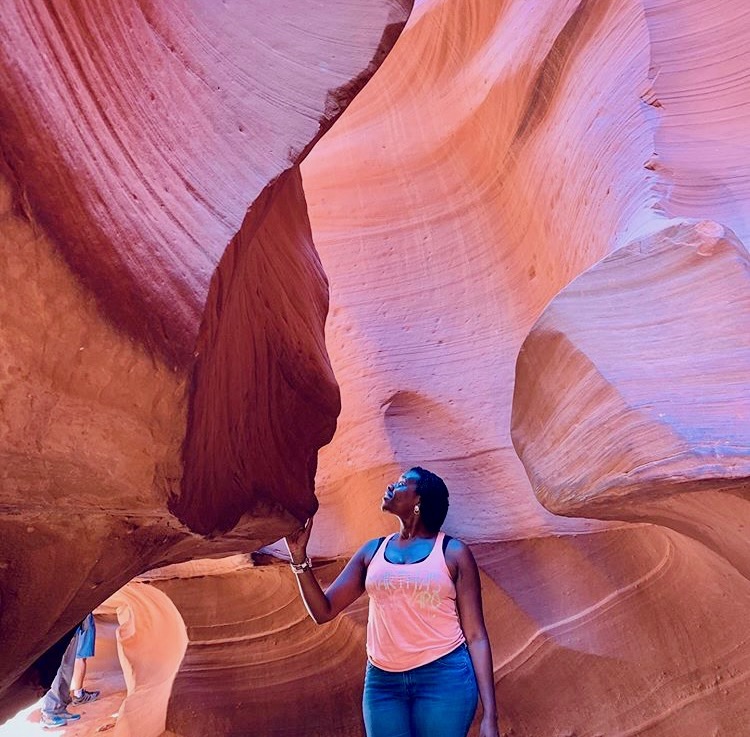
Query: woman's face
{"x": 401, "y": 496}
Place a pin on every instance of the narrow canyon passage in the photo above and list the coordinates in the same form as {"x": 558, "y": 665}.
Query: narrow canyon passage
{"x": 258, "y": 258}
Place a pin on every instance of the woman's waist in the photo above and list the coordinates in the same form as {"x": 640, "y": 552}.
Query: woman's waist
{"x": 399, "y": 659}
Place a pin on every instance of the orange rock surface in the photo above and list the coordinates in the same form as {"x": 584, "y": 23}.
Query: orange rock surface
{"x": 163, "y": 372}
{"x": 532, "y": 222}
{"x": 631, "y": 391}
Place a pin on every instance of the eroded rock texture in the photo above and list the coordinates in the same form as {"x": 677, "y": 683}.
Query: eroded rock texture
{"x": 162, "y": 303}
{"x": 528, "y": 142}
{"x": 502, "y": 150}
{"x": 256, "y": 639}
{"x": 151, "y": 640}
{"x": 443, "y": 205}
{"x": 632, "y": 390}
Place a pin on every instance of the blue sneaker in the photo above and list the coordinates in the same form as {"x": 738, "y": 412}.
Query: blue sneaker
{"x": 51, "y": 721}
{"x": 58, "y": 719}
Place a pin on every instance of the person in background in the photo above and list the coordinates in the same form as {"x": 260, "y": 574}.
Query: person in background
{"x": 56, "y": 701}
{"x": 85, "y": 649}
{"x": 427, "y": 646}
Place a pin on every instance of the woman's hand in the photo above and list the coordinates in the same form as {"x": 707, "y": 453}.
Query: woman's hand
{"x": 488, "y": 728}
{"x": 296, "y": 543}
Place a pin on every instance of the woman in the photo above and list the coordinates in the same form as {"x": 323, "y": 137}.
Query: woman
{"x": 427, "y": 646}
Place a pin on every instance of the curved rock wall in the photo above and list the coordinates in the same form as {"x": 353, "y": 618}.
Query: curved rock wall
{"x": 700, "y": 88}
{"x": 631, "y": 391}
{"x": 443, "y": 205}
{"x": 626, "y": 632}
{"x": 163, "y": 373}
{"x": 151, "y": 643}
{"x": 503, "y": 149}
{"x": 256, "y": 663}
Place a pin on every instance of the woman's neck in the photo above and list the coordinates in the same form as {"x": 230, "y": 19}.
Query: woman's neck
{"x": 413, "y": 528}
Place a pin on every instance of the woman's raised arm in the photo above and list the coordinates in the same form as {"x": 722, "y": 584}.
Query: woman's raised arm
{"x": 323, "y": 606}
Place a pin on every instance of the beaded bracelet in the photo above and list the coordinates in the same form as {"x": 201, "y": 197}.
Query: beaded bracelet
{"x": 298, "y": 568}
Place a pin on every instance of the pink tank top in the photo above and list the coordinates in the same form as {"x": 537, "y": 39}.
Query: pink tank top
{"x": 413, "y": 618}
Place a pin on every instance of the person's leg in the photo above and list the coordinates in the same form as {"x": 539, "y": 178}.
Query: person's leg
{"x": 445, "y": 696}
{"x": 79, "y": 673}
{"x": 385, "y": 704}
{"x": 86, "y": 643}
{"x": 58, "y": 697}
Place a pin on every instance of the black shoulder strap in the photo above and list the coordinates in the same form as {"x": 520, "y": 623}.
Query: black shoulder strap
{"x": 446, "y": 540}
{"x": 374, "y": 552}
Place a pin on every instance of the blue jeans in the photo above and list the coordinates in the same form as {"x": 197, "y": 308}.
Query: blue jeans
{"x": 435, "y": 700}
{"x": 58, "y": 697}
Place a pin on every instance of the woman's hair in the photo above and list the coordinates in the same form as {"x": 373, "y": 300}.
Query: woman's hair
{"x": 433, "y": 501}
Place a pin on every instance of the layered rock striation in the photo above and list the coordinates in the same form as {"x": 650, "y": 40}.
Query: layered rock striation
{"x": 532, "y": 221}
{"x": 163, "y": 373}
{"x": 522, "y": 144}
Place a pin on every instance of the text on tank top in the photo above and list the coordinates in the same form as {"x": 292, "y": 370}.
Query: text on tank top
{"x": 412, "y": 612}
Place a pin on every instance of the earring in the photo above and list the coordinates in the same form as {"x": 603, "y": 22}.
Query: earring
{"x": 416, "y": 509}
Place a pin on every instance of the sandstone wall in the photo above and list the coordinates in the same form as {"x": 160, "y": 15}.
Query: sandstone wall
{"x": 163, "y": 373}
{"x": 565, "y": 181}
{"x": 503, "y": 150}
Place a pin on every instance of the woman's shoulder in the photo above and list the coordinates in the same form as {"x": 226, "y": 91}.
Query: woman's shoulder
{"x": 456, "y": 550}
{"x": 367, "y": 550}
{"x": 453, "y": 542}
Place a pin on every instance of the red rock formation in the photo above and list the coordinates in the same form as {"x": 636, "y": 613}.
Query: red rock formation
{"x": 256, "y": 663}
{"x": 502, "y": 150}
{"x": 154, "y": 212}
{"x": 516, "y": 146}
{"x": 141, "y": 141}
{"x": 261, "y": 400}
{"x": 699, "y": 86}
{"x": 442, "y": 206}
{"x": 631, "y": 394}
{"x": 627, "y": 632}
{"x": 151, "y": 641}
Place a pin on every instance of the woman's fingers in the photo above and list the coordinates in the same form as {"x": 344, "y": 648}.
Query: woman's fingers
{"x": 300, "y": 537}
{"x": 303, "y": 534}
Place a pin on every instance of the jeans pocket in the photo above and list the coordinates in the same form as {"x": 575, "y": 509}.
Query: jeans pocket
{"x": 459, "y": 662}
{"x": 467, "y": 664}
